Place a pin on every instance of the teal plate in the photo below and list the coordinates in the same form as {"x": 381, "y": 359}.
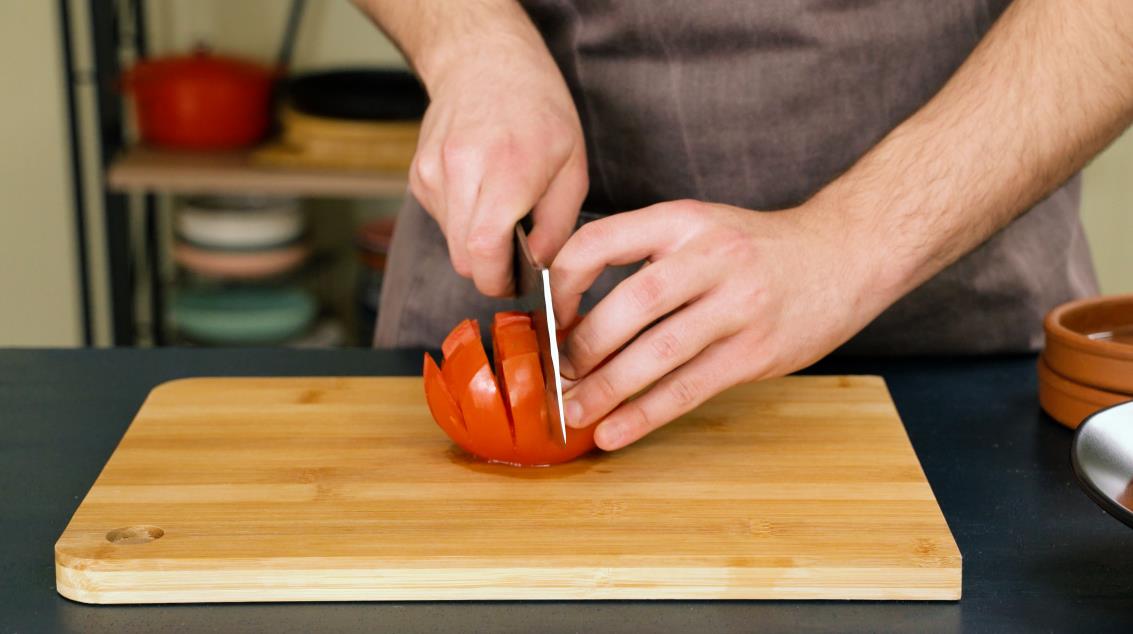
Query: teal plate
{"x": 243, "y": 316}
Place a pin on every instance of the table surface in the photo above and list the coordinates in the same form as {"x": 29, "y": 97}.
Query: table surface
{"x": 1038, "y": 555}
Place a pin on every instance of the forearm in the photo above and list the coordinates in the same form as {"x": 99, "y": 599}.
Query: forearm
{"x": 1048, "y": 88}
{"x": 433, "y": 34}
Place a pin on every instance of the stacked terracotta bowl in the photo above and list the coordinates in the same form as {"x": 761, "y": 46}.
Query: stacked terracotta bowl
{"x": 1087, "y": 364}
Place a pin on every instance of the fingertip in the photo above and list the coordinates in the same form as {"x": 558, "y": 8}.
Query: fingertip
{"x": 566, "y": 369}
{"x": 544, "y": 245}
{"x": 494, "y": 287}
{"x": 572, "y": 409}
{"x": 459, "y": 263}
{"x": 609, "y": 436}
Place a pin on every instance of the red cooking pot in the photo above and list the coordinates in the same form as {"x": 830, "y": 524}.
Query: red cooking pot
{"x": 201, "y": 101}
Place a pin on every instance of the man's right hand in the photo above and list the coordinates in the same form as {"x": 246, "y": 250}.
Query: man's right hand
{"x": 501, "y": 136}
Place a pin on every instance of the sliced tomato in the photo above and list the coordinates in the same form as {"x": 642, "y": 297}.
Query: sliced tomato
{"x": 535, "y": 442}
{"x": 471, "y": 383}
{"x": 485, "y": 415}
{"x": 510, "y": 317}
{"x": 512, "y": 335}
{"x": 465, "y": 332}
{"x": 443, "y": 407}
{"x": 522, "y": 379}
{"x": 500, "y": 417}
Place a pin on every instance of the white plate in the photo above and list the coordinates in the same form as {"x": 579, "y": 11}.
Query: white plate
{"x": 240, "y": 223}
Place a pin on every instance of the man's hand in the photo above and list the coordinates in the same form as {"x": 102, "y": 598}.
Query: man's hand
{"x": 740, "y": 296}
{"x": 501, "y": 137}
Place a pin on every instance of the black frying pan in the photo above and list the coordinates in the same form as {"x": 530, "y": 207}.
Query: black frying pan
{"x": 359, "y": 94}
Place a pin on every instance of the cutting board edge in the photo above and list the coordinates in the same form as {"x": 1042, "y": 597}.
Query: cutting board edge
{"x": 174, "y": 384}
{"x": 116, "y": 588}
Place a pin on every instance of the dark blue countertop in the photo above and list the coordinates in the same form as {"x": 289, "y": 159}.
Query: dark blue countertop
{"x": 1038, "y": 555}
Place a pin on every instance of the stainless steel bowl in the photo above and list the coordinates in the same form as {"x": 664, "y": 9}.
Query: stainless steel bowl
{"x": 1102, "y": 455}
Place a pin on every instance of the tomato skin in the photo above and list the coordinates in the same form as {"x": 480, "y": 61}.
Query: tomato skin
{"x": 522, "y": 380}
{"x": 510, "y": 317}
{"x": 461, "y": 365}
{"x": 485, "y": 414}
{"x": 512, "y": 335}
{"x": 504, "y": 415}
{"x": 464, "y": 333}
{"x": 443, "y": 407}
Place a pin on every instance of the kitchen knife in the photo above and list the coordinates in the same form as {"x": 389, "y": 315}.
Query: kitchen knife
{"x": 533, "y": 288}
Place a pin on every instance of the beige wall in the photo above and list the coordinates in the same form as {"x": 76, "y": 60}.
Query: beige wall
{"x": 1107, "y": 211}
{"x": 39, "y": 292}
{"x": 332, "y": 33}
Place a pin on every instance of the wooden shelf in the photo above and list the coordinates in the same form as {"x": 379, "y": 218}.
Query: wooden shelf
{"x": 142, "y": 169}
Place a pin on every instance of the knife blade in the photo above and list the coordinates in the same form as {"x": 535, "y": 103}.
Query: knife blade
{"x": 533, "y": 289}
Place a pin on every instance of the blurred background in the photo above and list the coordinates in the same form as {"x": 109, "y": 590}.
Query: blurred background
{"x": 225, "y": 172}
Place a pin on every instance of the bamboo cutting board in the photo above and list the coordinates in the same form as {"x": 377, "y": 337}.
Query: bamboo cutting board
{"x": 326, "y": 489}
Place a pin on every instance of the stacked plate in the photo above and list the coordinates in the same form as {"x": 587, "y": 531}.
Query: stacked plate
{"x": 240, "y": 238}
{"x": 1087, "y": 364}
{"x": 243, "y": 316}
{"x": 241, "y": 252}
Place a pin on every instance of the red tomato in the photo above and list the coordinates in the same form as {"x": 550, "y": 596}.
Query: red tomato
{"x": 505, "y": 420}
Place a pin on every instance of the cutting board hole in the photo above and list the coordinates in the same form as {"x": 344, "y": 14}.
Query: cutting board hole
{"x": 134, "y": 535}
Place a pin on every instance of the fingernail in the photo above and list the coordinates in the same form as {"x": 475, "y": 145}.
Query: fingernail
{"x": 606, "y": 436}
{"x": 566, "y": 368}
{"x": 573, "y": 411}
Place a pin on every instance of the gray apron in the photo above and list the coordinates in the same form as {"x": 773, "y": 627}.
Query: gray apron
{"x": 759, "y": 104}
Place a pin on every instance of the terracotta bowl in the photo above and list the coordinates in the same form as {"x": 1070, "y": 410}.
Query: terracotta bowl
{"x": 1090, "y": 341}
{"x": 1070, "y": 403}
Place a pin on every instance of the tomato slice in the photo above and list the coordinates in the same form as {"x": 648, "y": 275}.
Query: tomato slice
{"x": 472, "y": 384}
{"x": 513, "y": 335}
{"x": 502, "y": 420}
{"x": 522, "y": 380}
{"x": 510, "y": 317}
{"x": 465, "y": 332}
{"x": 443, "y": 407}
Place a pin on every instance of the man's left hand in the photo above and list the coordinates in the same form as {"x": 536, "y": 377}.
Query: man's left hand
{"x": 728, "y": 296}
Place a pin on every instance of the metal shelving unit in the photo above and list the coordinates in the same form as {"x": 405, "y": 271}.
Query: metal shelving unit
{"x": 135, "y": 176}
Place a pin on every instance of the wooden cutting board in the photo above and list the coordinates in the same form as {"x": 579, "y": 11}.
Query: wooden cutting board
{"x": 326, "y": 489}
